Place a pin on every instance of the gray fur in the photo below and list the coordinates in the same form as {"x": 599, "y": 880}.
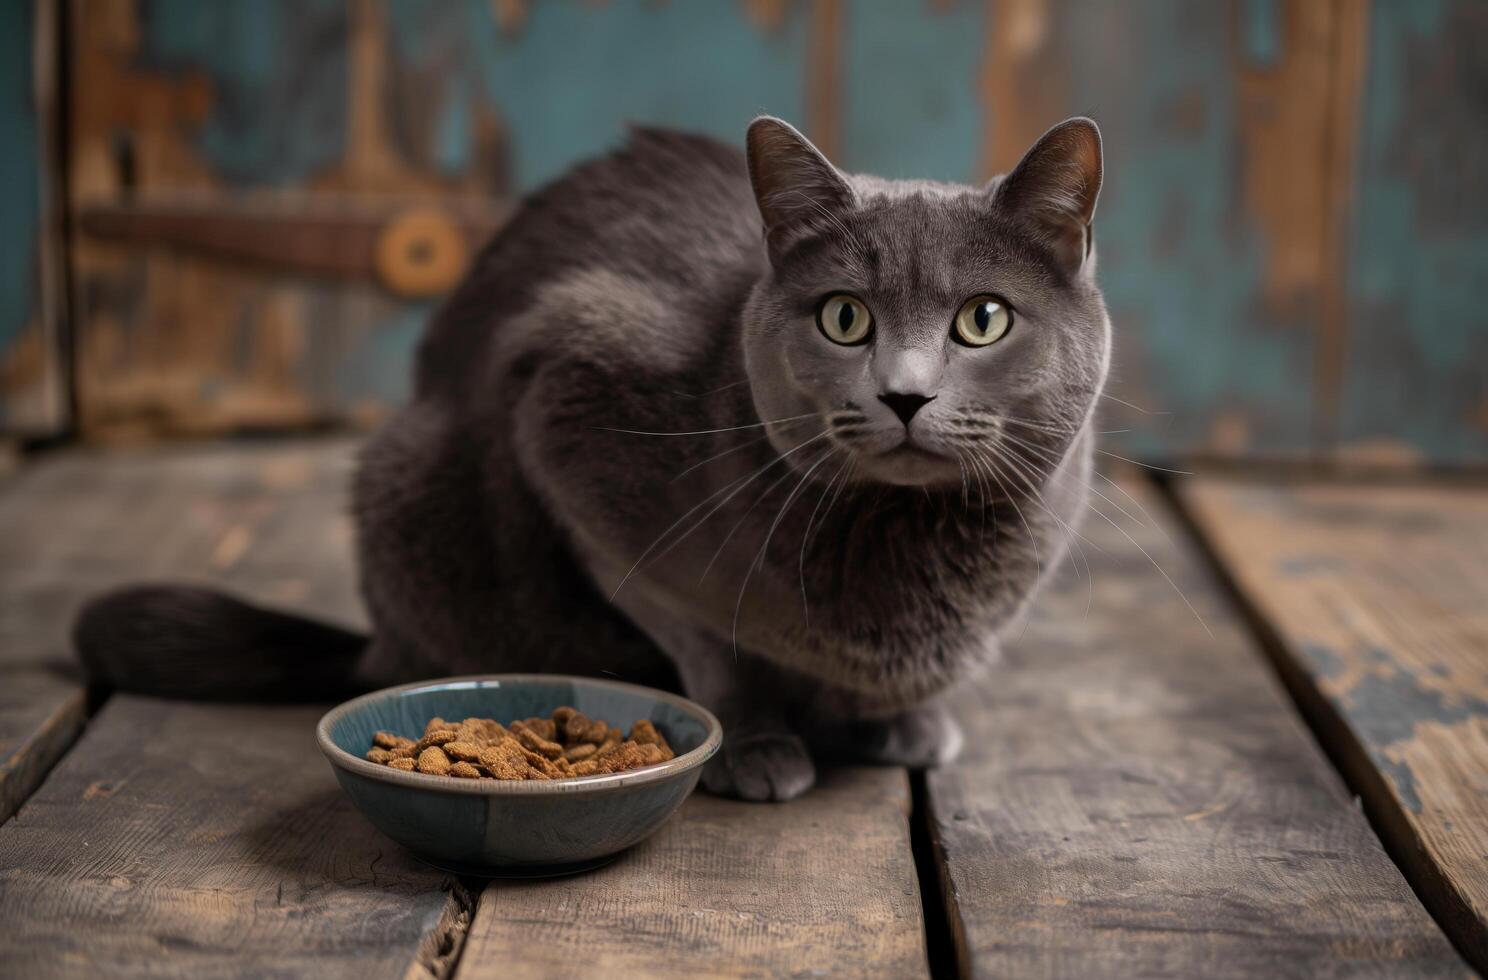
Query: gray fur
{"x": 505, "y": 524}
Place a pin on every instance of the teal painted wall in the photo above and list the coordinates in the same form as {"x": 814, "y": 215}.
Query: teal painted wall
{"x": 1204, "y": 344}
{"x": 1417, "y": 366}
{"x": 20, "y": 186}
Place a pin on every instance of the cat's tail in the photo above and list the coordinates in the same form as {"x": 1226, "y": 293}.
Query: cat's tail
{"x": 178, "y": 641}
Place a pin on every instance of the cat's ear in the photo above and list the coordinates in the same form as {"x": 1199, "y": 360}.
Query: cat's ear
{"x": 1055, "y": 185}
{"x": 794, "y": 184}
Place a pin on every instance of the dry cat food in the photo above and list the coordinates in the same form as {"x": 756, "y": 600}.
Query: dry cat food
{"x": 565, "y": 745}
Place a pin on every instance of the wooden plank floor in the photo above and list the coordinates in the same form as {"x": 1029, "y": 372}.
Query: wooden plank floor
{"x": 77, "y": 523}
{"x": 190, "y": 840}
{"x": 178, "y": 839}
{"x": 1377, "y": 600}
{"x": 824, "y": 886}
{"x": 1139, "y": 799}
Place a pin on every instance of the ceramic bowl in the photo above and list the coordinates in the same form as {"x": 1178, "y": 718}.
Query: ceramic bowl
{"x": 516, "y": 828}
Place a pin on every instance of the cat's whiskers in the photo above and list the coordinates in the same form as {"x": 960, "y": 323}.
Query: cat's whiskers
{"x": 759, "y": 557}
{"x": 806, "y": 535}
{"x": 735, "y": 449}
{"x": 966, "y": 497}
{"x": 736, "y": 485}
{"x": 1072, "y": 537}
{"x": 1148, "y": 466}
{"x": 1051, "y": 428}
{"x": 1128, "y": 404}
{"x": 707, "y": 432}
{"x": 1162, "y": 571}
{"x": 852, "y": 469}
{"x": 1030, "y": 447}
{"x": 714, "y": 391}
{"x": 1032, "y": 538}
{"x": 740, "y": 522}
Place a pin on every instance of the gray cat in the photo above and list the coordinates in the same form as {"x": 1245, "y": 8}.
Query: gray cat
{"x": 806, "y": 442}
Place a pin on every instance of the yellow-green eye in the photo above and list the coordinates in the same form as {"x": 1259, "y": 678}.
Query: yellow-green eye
{"x": 983, "y": 320}
{"x": 844, "y": 319}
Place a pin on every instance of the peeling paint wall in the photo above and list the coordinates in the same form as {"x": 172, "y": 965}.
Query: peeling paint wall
{"x": 1289, "y": 238}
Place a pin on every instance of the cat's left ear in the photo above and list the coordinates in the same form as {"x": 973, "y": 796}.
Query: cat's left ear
{"x": 1054, "y": 187}
{"x": 795, "y": 185}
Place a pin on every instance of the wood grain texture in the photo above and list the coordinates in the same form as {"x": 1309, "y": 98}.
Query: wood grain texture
{"x": 40, "y": 715}
{"x": 824, "y": 885}
{"x": 1139, "y": 799}
{"x": 1378, "y": 600}
{"x": 187, "y": 840}
{"x": 178, "y": 839}
{"x": 268, "y": 521}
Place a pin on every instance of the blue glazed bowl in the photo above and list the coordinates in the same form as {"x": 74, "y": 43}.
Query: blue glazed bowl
{"x": 516, "y": 828}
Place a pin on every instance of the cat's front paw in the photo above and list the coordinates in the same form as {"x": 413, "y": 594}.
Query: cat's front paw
{"x": 921, "y": 738}
{"x": 762, "y": 766}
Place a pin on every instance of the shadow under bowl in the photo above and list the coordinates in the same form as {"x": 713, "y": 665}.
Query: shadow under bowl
{"x": 516, "y": 828}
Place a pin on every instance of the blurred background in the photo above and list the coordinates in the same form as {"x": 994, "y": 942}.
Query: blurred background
{"x": 235, "y": 216}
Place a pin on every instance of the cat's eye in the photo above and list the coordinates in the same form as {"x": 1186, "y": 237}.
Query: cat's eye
{"x": 983, "y": 320}
{"x": 844, "y": 320}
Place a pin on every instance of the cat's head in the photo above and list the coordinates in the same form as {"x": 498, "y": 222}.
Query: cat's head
{"x": 919, "y": 328}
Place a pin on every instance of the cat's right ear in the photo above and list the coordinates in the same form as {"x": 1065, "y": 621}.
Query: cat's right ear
{"x": 1055, "y": 186}
{"x": 795, "y": 186}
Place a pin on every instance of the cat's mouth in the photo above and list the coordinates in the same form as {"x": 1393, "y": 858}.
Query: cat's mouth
{"x": 909, "y": 465}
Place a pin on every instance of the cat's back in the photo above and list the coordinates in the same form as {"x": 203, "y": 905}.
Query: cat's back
{"x": 661, "y": 227}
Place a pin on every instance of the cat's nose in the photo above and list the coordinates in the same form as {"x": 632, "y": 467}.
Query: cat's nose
{"x": 905, "y": 405}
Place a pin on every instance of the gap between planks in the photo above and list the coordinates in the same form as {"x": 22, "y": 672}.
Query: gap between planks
{"x": 1330, "y": 728}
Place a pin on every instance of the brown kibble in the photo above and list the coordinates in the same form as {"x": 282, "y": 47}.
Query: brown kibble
{"x": 645, "y": 733}
{"x": 387, "y": 740}
{"x": 609, "y": 745}
{"x": 543, "y": 728}
{"x": 433, "y": 761}
{"x": 531, "y": 740}
{"x": 505, "y": 760}
{"x": 464, "y": 770}
{"x": 574, "y": 726}
{"x": 440, "y": 736}
{"x": 462, "y": 751}
{"x": 563, "y": 746}
{"x": 541, "y": 764}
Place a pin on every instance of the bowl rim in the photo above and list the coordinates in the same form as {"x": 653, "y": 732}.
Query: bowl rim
{"x": 512, "y": 787}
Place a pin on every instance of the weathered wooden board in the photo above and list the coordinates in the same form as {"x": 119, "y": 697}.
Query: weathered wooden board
{"x": 33, "y": 378}
{"x": 189, "y": 840}
{"x": 1378, "y": 601}
{"x": 821, "y": 886}
{"x": 1138, "y": 797}
{"x": 1416, "y": 369}
{"x": 1288, "y": 245}
{"x": 267, "y": 520}
{"x": 178, "y": 839}
{"x": 1210, "y": 226}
